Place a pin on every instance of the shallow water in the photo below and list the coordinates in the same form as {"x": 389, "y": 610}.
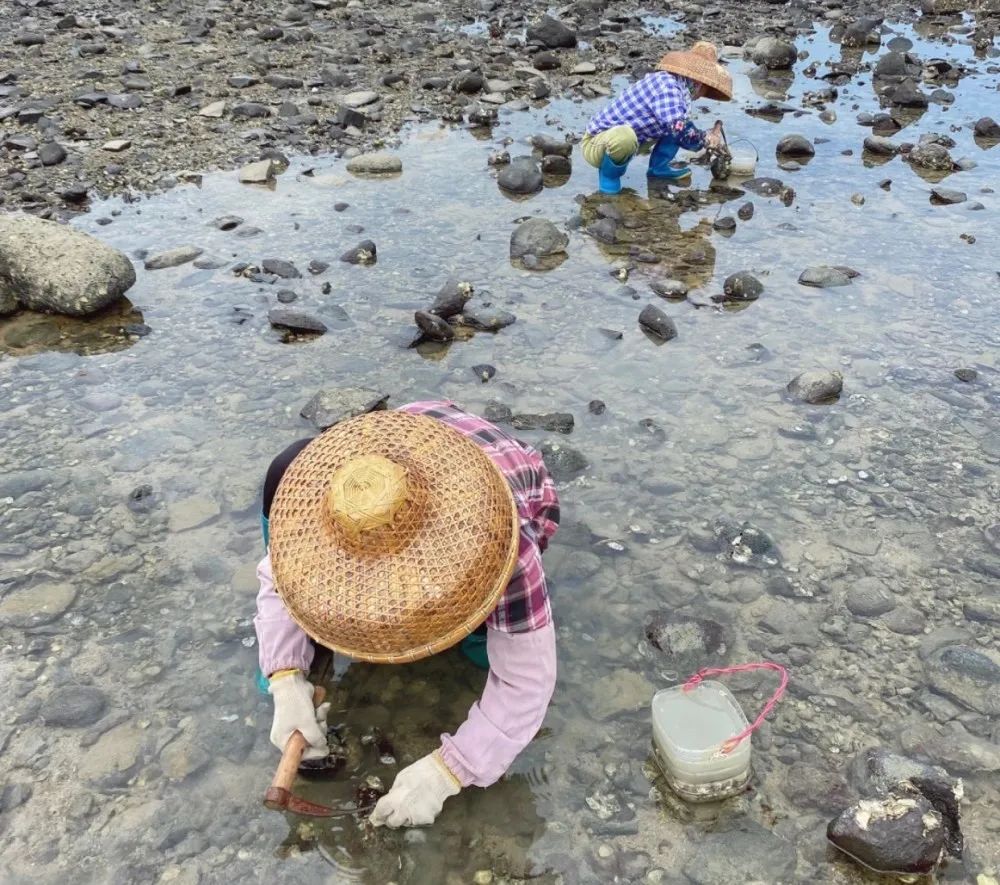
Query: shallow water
{"x": 897, "y": 483}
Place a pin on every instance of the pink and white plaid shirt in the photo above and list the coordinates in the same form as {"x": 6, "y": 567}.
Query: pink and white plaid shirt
{"x": 525, "y": 605}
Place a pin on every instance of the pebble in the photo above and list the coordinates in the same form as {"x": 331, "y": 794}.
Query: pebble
{"x": 261, "y": 172}
{"x": 172, "y": 258}
{"x": 33, "y": 606}
{"x": 655, "y": 321}
{"x": 70, "y": 706}
{"x": 380, "y": 163}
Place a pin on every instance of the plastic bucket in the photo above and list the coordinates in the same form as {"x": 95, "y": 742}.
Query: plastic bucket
{"x": 690, "y": 728}
{"x": 743, "y": 161}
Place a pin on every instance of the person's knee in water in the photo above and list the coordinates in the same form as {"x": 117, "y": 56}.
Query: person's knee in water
{"x": 652, "y": 114}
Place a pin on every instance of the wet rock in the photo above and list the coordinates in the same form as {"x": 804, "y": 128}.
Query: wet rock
{"x": 551, "y": 33}
{"x": 988, "y": 128}
{"x": 745, "y": 212}
{"x": 942, "y": 196}
{"x": 522, "y": 176}
{"x": 114, "y": 758}
{"x": 620, "y": 692}
{"x": 892, "y": 835}
{"x": 34, "y": 606}
{"x": 883, "y": 147}
{"x": 87, "y": 277}
{"x": 364, "y": 253}
{"x": 816, "y": 387}
{"x": 967, "y": 676}
{"x": 468, "y": 82}
{"x": 380, "y": 163}
{"x": 896, "y": 66}
{"x": 932, "y": 156}
{"x": 861, "y": 33}
{"x": 596, "y": 407}
{"x": 316, "y": 267}
{"x": 497, "y": 412}
{"x": 869, "y": 598}
{"x": 905, "y": 621}
{"x": 172, "y": 258}
{"x": 261, "y": 172}
{"x": 335, "y": 404}
{"x": 556, "y": 422}
{"x": 657, "y": 322}
{"x": 228, "y": 222}
{"x": 51, "y": 154}
{"x": 807, "y": 786}
{"x": 744, "y": 543}
{"x": 183, "y": 757}
{"x": 774, "y": 53}
{"x": 563, "y": 463}
{"x": 553, "y": 164}
{"x": 546, "y": 61}
{"x": 295, "y": 320}
{"x": 538, "y": 237}
{"x": 672, "y": 290}
{"x": 280, "y": 268}
{"x": 484, "y": 371}
{"x": 487, "y": 319}
{"x": 549, "y": 146}
{"x": 823, "y": 276}
{"x": 433, "y": 327}
{"x": 726, "y": 224}
{"x": 907, "y": 95}
{"x": 795, "y": 146}
{"x": 73, "y": 706}
{"x": 878, "y": 772}
{"x": 764, "y": 187}
{"x": 686, "y": 641}
{"x": 451, "y": 298}
{"x": 742, "y": 286}
{"x": 605, "y": 230}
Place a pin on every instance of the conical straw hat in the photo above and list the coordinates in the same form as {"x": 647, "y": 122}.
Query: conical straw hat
{"x": 393, "y": 537}
{"x": 700, "y": 63}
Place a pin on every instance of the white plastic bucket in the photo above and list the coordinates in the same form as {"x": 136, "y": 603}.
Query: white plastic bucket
{"x": 743, "y": 161}
{"x": 689, "y": 730}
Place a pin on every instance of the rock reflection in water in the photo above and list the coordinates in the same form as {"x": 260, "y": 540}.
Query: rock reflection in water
{"x": 114, "y": 328}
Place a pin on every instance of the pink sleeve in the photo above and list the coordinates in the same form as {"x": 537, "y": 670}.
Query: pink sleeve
{"x": 510, "y": 712}
{"x": 283, "y": 643}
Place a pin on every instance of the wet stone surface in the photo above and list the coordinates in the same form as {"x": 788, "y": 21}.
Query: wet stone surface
{"x": 853, "y": 540}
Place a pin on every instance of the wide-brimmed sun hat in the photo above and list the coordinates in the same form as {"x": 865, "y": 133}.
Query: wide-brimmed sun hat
{"x": 393, "y": 537}
{"x": 701, "y": 64}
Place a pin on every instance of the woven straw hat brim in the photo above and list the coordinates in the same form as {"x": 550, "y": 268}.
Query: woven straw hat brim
{"x": 407, "y": 590}
{"x": 716, "y": 79}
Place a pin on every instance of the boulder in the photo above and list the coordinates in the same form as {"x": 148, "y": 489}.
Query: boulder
{"x": 295, "y": 320}
{"x": 549, "y": 146}
{"x": 538, "y": 237}
{"x": 816, "y": 387}
{"x": 987, "y": 127}
{"x": 932, "y": 156}
{"x": 742, "y": 286}
{"x": 823, "y": 276}
{"x": 379, "y": 163}
{"x": 563, "y": 463}
{"x": 774, "y": 53}
{"x": 280, "y": 268}
{"x": 907, "y": 95}
{"x": 51, "y": 267}
{"x": 884, "y": 147}
{"x": 655, "y": 321}
{"x": 795, "y": 146}
{"x": 895, "y": 834}
{"x": 335, "y": 404}
{"x": 521, "y": 176}
{"x": 672, "y": 290}
{"x": 551, "y": 33}
{"x": 451, "y": 298}
{"x": 896, "y": 66}
{"x": 433, "y": 327}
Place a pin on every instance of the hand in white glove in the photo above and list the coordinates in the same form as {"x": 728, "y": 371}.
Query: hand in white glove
{"x": 417, "y": 795}
{"x": 294, "y": 711}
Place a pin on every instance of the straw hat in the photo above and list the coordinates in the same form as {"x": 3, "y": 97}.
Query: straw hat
{"x": 701, "y": 64}
{"x": 393, "y": 537}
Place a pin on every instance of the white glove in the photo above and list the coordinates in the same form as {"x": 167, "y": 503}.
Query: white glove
{"x": 294, "y": 711}
{"x": 417, "y": 795}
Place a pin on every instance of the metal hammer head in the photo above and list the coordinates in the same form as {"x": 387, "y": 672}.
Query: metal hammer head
{"x": 280, "y": 799}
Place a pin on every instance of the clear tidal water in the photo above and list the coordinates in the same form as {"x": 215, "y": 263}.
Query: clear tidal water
{"x": 896, "y": 483}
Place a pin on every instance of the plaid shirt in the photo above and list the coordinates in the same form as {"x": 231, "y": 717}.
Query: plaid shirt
{"x": 655, "y": 106}
{"x": 524, "y": 606}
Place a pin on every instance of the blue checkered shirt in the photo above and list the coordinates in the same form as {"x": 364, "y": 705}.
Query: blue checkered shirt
{"x": 655, "y": 106}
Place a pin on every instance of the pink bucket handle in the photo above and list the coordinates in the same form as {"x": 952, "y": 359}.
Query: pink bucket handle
{"x": 732, "y": 743}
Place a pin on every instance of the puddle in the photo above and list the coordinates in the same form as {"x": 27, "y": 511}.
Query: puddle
{"x": 151, "y": 592}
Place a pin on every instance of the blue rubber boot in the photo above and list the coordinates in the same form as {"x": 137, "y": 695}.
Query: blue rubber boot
{"x": 659, "y": 161}
{"x": 609, "y": 175}
{"x": 474, "y": 648}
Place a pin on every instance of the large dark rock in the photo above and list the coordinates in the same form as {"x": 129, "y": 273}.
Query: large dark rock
{"x": 823, "y": 276}
{"x": 881, "y": 146}
{"x": 295, "y": 320}
{"x": 943, "y": 196}
{"x": 987, "y": 127}
{"x": 861, "y": 33}
{"x": 895, "y": 834}
{"x": 555, "y": 422}
{"x": 280, "y": 268}
{"x": 744, "y": 543}
{"x": 538, "y": 237}
{"x": 764, "y": 187}
{"x": 686, "y": 641}
{"x": 451, "y": 298}
{"x": 563, "y": 463}
{"x": 335, "y": 404}
{"x": 74, "y": 706}
{"x": 434, "y": 327}
{"x": 487, "y": 319}
{"x": 931, "y": 156}
{"x": 551, "y": 33}
{"x": 797, "y": 146}
{"x": 908, "y": 95}
{"x": 52, "y": 267}
{"x": 742, "y": 286}
{"x": 869, "y": 598}
{"x": 816, "y": 387}
{"x": 549, "y": 146}
{"x": 522, "y": 176}
{"x": 878, "y": 772}
{"x": 774, "y": 53}
{"x": 654, "y": 320}
{"x": 364, "y": 253}
{"x": 896, "y": 66}
{"x": 967, "y": 676}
